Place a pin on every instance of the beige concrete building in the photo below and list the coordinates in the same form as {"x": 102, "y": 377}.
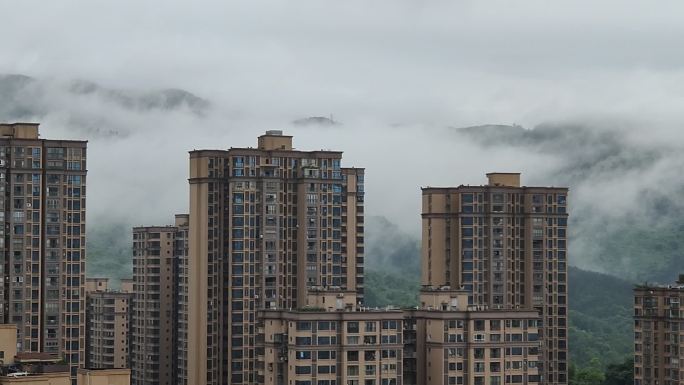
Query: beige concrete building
{"x": 181, "y": 299}
{"x": 59, "y": 378}
{"x": 126, "y": 285}
{"x": 152, "y": 317}
{"x": 442, "y": 341}
{"x": 330, "y": 347}
{"x": 8, "y": 343}
{"x": 266, "y": 225}
{"x": 84, "y": 377}
{"x": 28, "y": 368}
{"x": 659, "y": 334}
{"x": 108, "y": 325}
{"x": 42, "y": 265}
{"x": 159, "y": 331}
{"x": 506, "y": 245}
{"x": 448, "y": 341}
{"x": 104, "y": 376}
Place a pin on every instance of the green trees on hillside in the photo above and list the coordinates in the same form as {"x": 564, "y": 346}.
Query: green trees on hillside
{"x": 615, "y": 374}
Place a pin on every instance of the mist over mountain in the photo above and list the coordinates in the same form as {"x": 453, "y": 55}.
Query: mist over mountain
{"x": 81, "y": 104}
{"x": 627, "y": 211}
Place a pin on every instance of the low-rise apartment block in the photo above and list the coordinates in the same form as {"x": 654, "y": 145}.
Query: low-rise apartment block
{"x": 324, "y": 345}
{"x": 31, "y": 368}
{"x": 442, "y": 341}
{"x": 450, "y": 342}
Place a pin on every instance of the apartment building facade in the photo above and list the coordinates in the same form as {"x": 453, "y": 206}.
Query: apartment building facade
{"x": 659, "y": 334}
{"x": 152, "y": 344}
{"x": 266, "y": 225}
{"x": 180, "y": 294}
{"x": 42, "y": 263}
{"x": 450, "y": 342}
{"x": 108, "y": 325}
{"x": 442, "y": 341}
{"x": 506, "y": 245}
{"x": 330, "y": 347}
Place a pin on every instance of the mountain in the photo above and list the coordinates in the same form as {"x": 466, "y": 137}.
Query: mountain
{"x": 88, "y": 108}
{"x": 315, "y": 121}
{"x": 165, "y": 99}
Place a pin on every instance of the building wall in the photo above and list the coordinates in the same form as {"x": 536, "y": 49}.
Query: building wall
{"x": 8, "y": 343}
{"x": 42, "y": 188}
{"x": 104, "y": 377}
{"x": 507, "y": 246}
{"x": 43, "y": 379}
{"x": 659, "y": 335}
{"x": 181, "y": 299}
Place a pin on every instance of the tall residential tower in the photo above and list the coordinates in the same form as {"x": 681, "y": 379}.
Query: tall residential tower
{"x": 159, "y": 305}
{"x": 506, "y": 245}
{"x": 267, "y": 224}
{"x": 42, "y": 241}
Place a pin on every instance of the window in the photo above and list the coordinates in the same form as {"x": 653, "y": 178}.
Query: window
{"x": 302, "y": 369}
{"x": 302, "y": 325}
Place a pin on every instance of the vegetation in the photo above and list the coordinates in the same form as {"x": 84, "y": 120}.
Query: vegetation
{"x": 600, "y": 318}
{"x": 615, "y": 374}
{"x": 384, "y": 289}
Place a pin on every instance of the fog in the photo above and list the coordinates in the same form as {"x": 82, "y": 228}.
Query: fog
{"x": 598, "y": 89}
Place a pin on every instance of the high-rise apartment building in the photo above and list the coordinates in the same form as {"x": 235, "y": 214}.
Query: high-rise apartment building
{"x": 659, "y": 334}
{"x": 108, "y": 325}
{"x": 506, "y": 245}
{"x": 159, "y": 304}
{"x": 42, "y": 263}
{"x": 181, "y": 299}
{"x": 152, "y": 344}
{"x": 266, "y": 225}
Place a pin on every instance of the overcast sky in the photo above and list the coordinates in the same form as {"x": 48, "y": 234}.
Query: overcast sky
{"x": 396, "y": 73}
{"x": 461, "y": 62}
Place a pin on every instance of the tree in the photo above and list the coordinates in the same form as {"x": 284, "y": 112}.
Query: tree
{"x": 590, "y": 375}
{"x": 620, "y": 374}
